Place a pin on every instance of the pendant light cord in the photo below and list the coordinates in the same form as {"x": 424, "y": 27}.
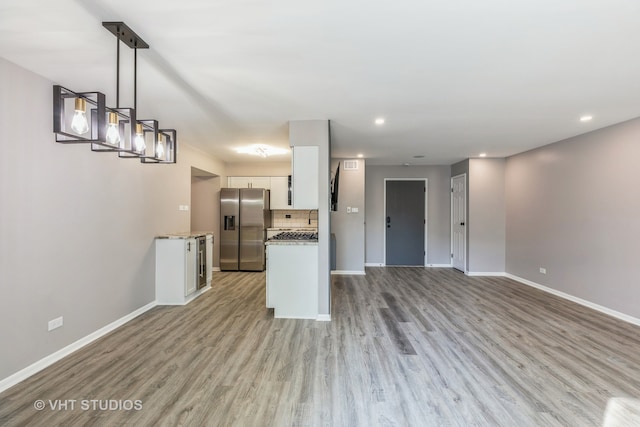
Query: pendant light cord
{"x": 135, "y": 78}
{"x": 118, "y": 69}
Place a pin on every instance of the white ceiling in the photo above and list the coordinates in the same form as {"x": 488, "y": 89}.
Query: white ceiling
{"x": 451, "y": 78}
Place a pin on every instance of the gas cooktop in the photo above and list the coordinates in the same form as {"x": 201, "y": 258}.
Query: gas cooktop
{"x": 296, "y": 235}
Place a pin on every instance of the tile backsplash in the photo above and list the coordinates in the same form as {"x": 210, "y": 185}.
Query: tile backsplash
{"x": 297, "y": 218}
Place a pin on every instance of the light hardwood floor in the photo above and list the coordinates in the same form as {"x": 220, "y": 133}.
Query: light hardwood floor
{"x": 406, "y": 347}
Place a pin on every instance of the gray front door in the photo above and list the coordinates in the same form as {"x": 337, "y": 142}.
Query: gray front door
{"x": 405, "y": 222}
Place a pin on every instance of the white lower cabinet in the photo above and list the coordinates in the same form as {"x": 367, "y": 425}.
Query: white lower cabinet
{"x": 177, "y": 270}
{"x": 292, "y": 280}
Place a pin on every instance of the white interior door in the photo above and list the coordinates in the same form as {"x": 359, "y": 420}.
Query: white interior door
{"x": 459, "y": 222}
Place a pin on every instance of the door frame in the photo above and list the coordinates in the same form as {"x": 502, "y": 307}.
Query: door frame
{"x": 466, "y": 221}
{"x": 384, "y": 216}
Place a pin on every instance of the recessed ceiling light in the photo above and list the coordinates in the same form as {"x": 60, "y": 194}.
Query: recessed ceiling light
{"x": 586, "y": 118}
{"x": 483, "y": 154}
{"x": 418, "y": 157}
{"x": 360, "y": 156}
{"x": 379, "y": 121}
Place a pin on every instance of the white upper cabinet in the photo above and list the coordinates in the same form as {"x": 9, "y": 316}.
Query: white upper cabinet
{"x": 305, "y": 176}
{"x": 280, "y": 193}
{"x": 249, "y": 182}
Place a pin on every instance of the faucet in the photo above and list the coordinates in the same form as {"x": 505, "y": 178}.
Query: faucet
{"x": 310, "y": 216}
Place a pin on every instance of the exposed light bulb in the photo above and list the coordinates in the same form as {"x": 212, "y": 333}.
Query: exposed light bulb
{"x": 160, "y": 148}
{"x": 138, "y": 143}
{"x": 79, "y": 123}
{"x": 113, "y": 134}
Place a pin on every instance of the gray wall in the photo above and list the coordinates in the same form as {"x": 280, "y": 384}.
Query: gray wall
{"x": 573, "y": 208}
{"x": 460, "y": 168}
{"x": 486, "y": 216}
{"x": 438, "y": 214}
{"x": 76, "y": 228}
{"x": 349, "y": 227}
{"x": 205, "y": 207}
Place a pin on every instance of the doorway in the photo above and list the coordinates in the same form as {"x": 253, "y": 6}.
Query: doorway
{"x": 405, "y": 221}
{"x": 459, "y": 222}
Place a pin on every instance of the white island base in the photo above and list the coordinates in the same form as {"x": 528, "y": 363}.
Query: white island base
{"x": 292, "y": 279}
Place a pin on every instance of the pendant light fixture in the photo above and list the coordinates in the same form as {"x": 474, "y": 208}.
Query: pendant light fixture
{"x": 112, "y": 129}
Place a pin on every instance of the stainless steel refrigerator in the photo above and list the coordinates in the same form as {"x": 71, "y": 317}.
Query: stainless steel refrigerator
{"x": 244, "y": 218}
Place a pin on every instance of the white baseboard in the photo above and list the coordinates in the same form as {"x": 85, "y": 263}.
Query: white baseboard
{"x": 373, "y": 264}
{"x": 600, "y": 308}
{"x": 216, "y": 269}
{"x": 485, "y": 273}
{"x": 323, "y": 318}
{"x": 36, "y": 367}
{"x": 346, "y": 272}
{"x": 439, "y": 266}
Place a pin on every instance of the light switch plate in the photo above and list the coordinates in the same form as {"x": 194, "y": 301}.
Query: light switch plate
{"x": 354, "y": 210}
{"x": 348, "y": 209}
{"x": 55, "y": 323}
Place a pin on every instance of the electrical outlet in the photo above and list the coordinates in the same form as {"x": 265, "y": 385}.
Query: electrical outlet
{"x": 348, "y": 209}
{"x": 55, "y": 323}
{"x": 354, "y": 210}
{"x": 543, "y": 270}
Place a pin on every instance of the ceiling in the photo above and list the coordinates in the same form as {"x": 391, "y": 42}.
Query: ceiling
{"x": 452, "y": 79}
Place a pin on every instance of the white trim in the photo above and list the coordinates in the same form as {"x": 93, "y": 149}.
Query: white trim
{"x": 36, "y": 367}
{"x": 600, "y": 308}
{"x": 485, "y": 273}
{"x": 323, "y": 318}
{"x": 215, "y": 269}
{"x": 426, "y": 217}
{"x": 373, "y": 264}
{"x": 438, "y": 265}
{"x": 348, "y": 273}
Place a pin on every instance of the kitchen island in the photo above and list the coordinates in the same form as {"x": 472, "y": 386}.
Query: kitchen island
{"x": 292, "y": 276}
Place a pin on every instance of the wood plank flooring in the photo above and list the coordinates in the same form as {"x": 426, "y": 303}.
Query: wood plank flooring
{"x": 406, "y": 347}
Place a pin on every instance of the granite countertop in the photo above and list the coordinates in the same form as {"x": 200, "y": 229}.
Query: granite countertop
{"x": 315, "y": 229}
{"x": 184, "y": 235}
